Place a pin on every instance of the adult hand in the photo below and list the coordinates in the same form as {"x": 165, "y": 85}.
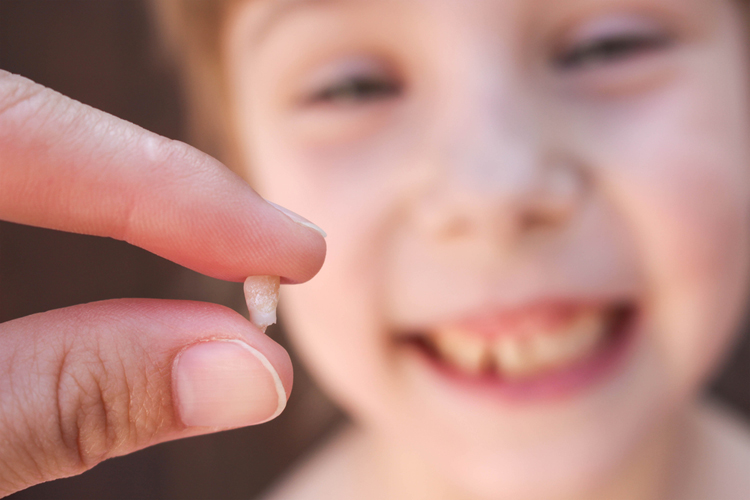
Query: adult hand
{"x": 86, "y": 383}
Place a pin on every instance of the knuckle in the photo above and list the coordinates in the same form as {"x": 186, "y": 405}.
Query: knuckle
{"x": 99, "y": 406}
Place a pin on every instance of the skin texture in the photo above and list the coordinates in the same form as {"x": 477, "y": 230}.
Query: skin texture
{"x": 86, "y": 383}
{"x": 70, "y": 167}
{"x": 492, "y": 177}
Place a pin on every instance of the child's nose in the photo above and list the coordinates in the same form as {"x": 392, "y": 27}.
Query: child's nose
{"x": 502, "y": 186}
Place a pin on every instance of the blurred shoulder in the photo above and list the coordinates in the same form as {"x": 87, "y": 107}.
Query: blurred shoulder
{"x": 718, "y": 462}
{"x": 725, "y": 430}
{"x": 324, "y": 475}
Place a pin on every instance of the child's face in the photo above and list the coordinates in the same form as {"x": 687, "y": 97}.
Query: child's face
{"x": 537, "y": 215}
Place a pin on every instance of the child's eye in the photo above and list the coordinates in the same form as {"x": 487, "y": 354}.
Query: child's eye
{"x": 608, "y": 50}
{"x": 610, "y": 41}
{"x": 357, "y": 89}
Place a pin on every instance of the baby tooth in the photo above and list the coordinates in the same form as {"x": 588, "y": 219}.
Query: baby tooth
{"x": 466, "y": 352}
{"x": 511, "y": 357}
{"x": 545, "y": 349}
{"x": 262, "y": 297}
{"x": 558, "y": 349}
{"x": 586, "y": 333}
{"x": 523, "y": 355}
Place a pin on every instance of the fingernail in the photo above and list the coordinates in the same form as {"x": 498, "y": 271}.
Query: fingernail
{"x": 297, "y": 218}
{"x": 226, "y": 384}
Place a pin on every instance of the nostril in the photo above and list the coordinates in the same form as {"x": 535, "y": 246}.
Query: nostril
{"x": 541, "y": 218}
{"x": 531, "y": 222}
{"x": 456, "y": 228}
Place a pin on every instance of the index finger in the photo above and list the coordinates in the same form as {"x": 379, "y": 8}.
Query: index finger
{"x": 67, "y": 166}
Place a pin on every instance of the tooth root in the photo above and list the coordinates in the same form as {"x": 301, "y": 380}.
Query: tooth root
{"x": 262, "y": 297}
{"x": 467, "y": 353}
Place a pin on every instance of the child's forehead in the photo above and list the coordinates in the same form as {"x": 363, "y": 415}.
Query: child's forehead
{"x": 276, "y": 9}
{"x": 267, "y": 14}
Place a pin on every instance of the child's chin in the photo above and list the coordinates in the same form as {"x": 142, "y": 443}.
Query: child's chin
{"x": 569, "y": 469}
{"x": 548, "y": 478}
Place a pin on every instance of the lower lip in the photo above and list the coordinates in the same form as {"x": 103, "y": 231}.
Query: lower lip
{"x": 555, "y": 385}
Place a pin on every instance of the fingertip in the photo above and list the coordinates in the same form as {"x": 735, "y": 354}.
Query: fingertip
{"x": 298, "y": 219}
{"x": 299, "y": 250}
{"x": 311, "y": 264}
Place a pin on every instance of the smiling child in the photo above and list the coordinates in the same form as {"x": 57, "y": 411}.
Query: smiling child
{"x": 538, "y": 219}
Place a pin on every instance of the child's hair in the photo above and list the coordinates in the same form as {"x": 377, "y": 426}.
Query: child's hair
{"x": 192, "y": 33}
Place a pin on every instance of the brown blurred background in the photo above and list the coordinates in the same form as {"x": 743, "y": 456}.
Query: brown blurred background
{"x": 105, "y": 53}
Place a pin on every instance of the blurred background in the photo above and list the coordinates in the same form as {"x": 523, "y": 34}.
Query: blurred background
{"x": 105, "y": 53}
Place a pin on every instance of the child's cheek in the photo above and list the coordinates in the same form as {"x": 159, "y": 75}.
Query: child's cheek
{"x": 695, "y": 246}
{"x": 676, "y": 165}
{"x": 688, "y": 210}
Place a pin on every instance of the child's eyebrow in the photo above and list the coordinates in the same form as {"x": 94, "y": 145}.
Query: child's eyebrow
{"x": 276, "y": 10}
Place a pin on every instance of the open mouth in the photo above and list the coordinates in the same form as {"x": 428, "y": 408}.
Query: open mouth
{"x": 537, "y": 348}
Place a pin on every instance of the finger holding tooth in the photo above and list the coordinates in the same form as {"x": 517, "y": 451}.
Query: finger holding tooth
{"x": 262, "y": 297}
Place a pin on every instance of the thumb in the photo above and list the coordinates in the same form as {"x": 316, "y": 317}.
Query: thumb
{"x": 94, "y": 381}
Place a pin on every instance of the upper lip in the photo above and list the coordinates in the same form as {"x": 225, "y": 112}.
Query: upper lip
{"x": 547, "y": 314}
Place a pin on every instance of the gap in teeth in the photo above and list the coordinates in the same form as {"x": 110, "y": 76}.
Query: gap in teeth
{"x": 521, "y": 354}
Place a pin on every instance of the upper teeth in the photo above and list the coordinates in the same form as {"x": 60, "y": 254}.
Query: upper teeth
{"x": 470, "y": 353}
{"x": 522, "y": 355}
